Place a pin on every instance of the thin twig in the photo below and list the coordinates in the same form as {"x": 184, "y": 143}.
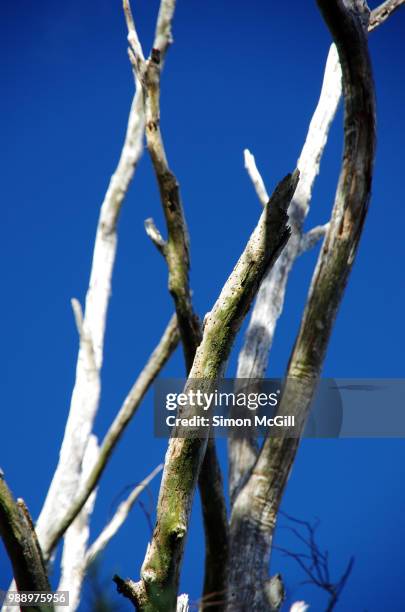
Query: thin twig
{"x": 154, "y": 234}
{"x": 155, "y": 363}
{"x": 382, "y": 12}
{"x": 255, "y": 176}
{"x": 118, "y": 519}
{"x": 315, "y": 564}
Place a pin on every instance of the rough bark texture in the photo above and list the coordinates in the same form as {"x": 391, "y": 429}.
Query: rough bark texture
{"x": 176, "y": 253}
{"x": 382, "y": 12}
{"x": 20, "y": 541}
{"x": 255, "y": 508}
{"x": 176, "y": 249}
{"x": 157, "y": 589}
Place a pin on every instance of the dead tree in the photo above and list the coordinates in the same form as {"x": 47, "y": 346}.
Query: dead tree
{"x": 238, "y": 547}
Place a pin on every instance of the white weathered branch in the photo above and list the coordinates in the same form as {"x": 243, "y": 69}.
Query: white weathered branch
{"x": 154, "y": 234}
{"x": 182, "y": 603}
{"x": 312, "y": 237}
{"x": 257, "y": 502}
{"x": 299, "y": 606}
{"x": 163, "y": 34}
{"x": 73, "y": 565}
{"x": 118, "y": 519}
{"x": 85, "y": 341}
{"x": 156, "y": 361}
{"x": 86, "y": 392}
{"x": 254, "y": 355}
{"x": 256, "y": 178}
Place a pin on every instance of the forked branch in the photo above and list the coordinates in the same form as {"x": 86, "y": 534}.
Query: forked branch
{"x": 157, "y": 589}
{"x": 176, "y": 253}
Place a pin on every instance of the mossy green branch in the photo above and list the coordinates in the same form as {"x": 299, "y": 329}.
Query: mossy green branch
{"x": 20, "y": 541}
{"x": 157, "y": 589}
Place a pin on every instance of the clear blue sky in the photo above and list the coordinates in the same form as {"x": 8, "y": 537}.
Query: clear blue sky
{"x": 240, "y": 74}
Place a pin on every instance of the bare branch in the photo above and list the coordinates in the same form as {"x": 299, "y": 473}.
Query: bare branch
{"x": 84, "y": 338}
{"x": 78, "y": 315}
{"x": 254, "y": 355}
{"x": 382, "y": 12}
{"x": 315, "y": 564}
{"x": 155, "y": 363}
{"x": 163, "y": 34}
{"x": 73, "y": 565}
{"x": 176, "y": 253}
{"x": 20, "y": 541}
{"x": 312, "y": 237}
{"x": 154, "y": 234}
{"x": 215, "y": 522}
{"x": 177, "y": 247}
{"x": 256, "y": 505}
{"x": 118, "y": 519}
{"x": 86, "y": 392}
{"x": 258, "y": 183}
{"x": 182, "y": 603}
{"x": 160, "y": 570}
{"x": 135, "y": 45}
{"x": 299, "y": 606}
